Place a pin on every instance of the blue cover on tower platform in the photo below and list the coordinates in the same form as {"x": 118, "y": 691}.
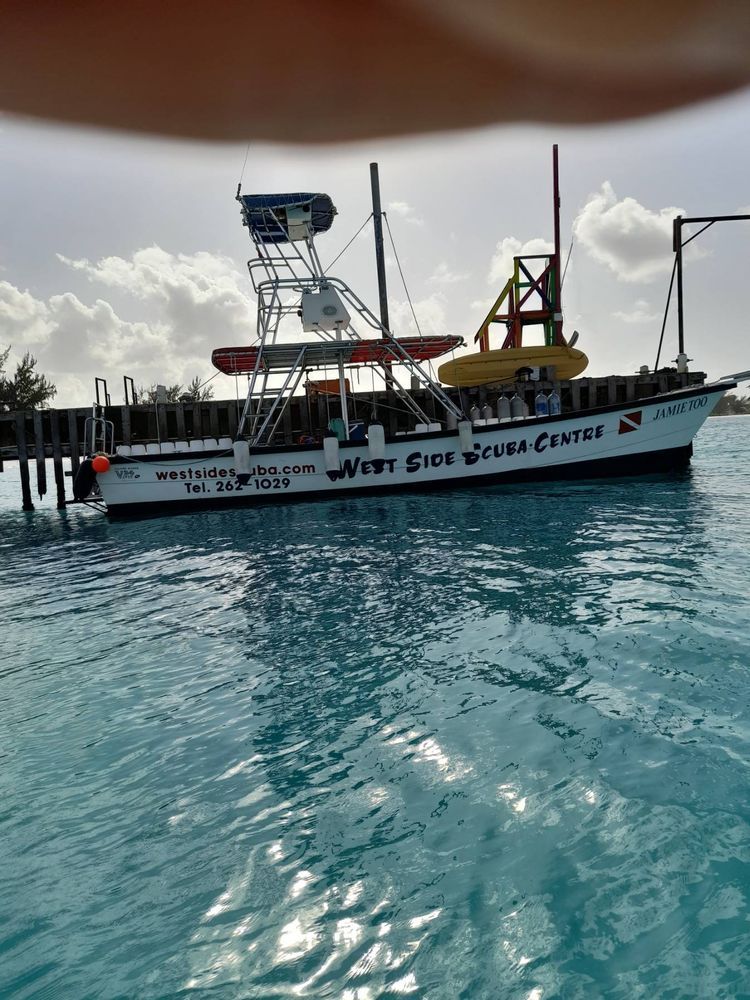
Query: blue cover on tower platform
{"x": 265, "y": 215}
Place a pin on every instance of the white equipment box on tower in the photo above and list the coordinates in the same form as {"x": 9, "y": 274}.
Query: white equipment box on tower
{"x": 324, "y": 310}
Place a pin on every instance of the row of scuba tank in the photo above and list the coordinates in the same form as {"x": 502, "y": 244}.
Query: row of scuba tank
{"x": 516, "y": 408}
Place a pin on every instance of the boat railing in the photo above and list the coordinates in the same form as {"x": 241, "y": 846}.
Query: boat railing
{"x": 262, "y": 270}
{"x": 399, "y": 354}
{"x": 272, "y": 309}
{"x": 99, "y": 433}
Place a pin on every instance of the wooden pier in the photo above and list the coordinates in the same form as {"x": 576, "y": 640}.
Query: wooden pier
{"x": 34, "y": 436}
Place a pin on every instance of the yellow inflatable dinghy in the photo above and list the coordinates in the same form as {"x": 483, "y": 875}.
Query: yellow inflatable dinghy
{"x": 502, "y": 365}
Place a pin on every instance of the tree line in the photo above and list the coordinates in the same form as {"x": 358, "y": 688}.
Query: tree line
{"x": 194, "y": 392}
{"x": 29, "y": 389}
{"x": 732, "y": 406}
{"x": 26, "y": 389}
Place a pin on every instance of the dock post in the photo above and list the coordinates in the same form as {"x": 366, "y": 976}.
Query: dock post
{"x": 161, "y": 422}
{"x": 179, "y": 412}
{"x": 234, "y": 419}
{"x": 23, "y": 460}
{"x": 197, "y": 420}
{"x": 125, "y": 422}
{"x": 41, "y": 466}
{"x": 54, "y": 426}
{"x": 213, "y": 419}
{"x": 75, "y": 454}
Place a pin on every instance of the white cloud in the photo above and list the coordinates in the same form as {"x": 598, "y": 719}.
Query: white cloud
{"x": 634, "y": 242}
{"x": 405, "y": 211}
{"x": 442, "y": 275}
{"x": 501, "y": 265}
{"x": 640, "y": 313}
{"x": 193, "y": 303}
{"x": 199, "y": 294}
{"x": 24, "y": 320}
{"x": 431, "y": 314}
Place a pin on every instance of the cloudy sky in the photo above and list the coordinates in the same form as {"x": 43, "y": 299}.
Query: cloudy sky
{"x": 123, "y": 256}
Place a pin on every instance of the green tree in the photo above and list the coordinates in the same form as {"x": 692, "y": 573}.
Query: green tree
{"x": 193, "y": 393}
{"x": 196, "y": 392}
{"x": 147, "y": 393}
{"x": 731, "y": 405}
{"x": 28, "y": 388}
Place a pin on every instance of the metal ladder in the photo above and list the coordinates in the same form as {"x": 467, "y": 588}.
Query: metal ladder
{"x": 264, "y": 417}
{"x": 98, "y": 432}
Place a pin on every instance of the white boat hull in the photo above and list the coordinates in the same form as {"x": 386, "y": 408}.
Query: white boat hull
{"x": 637, "y": 437}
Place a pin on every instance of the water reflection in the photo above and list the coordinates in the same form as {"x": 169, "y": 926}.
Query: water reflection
{"x": 382, "y": 623}
{"x": 465, "y": 744}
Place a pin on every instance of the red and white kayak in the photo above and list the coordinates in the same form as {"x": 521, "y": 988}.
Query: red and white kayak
{"x": 244, "y": 360}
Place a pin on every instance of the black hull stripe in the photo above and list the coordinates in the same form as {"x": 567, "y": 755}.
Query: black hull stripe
{"x": 665, "y": 461}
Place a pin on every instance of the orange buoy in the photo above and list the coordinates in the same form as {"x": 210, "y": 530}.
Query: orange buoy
{"x": 100, "y": 463}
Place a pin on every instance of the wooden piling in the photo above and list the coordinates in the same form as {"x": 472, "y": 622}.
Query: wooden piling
{"x": 179, "y": 414}
{"x": 125, "y": 424}
{"x": 57, "y": 464}
{"x": 161, "y": 422}
{"x": 197, "y": 422}
{"x": 23, "y": 460}
{"x": 232, "y": 419}
{"x": 41, "y": 467}
{"x": 213, "y": 419}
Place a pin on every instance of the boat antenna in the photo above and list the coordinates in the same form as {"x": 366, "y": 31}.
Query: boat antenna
{"x": 557, "y": 313}
{"x": 242, "y": 172}
{"x": 377, "y": 215}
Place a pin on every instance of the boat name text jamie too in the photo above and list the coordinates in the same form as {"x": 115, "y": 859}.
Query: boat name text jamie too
{"x": 684, "y": 407}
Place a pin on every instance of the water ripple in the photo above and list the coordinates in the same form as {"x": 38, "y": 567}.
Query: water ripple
{"x": 479, "y": 744}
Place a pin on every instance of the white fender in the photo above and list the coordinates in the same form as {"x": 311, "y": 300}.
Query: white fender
{"x": 376, "y": 440}
{"x": 466, "y": 437}
{"x": 331, "y": 452}
{"x": 241, "y": 451}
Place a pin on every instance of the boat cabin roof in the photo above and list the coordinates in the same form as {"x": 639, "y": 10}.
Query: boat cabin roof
{"x": 269, "y": 216}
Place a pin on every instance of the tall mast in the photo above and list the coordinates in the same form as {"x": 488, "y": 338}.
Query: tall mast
{"x": 557, "y": 304}
{"x": 377, "y": 216}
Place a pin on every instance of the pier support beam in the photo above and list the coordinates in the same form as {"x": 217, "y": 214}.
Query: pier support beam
{"x": 23, "y": 460}
{"x": 57, "y": 464}
{"x": 41, "y": 465}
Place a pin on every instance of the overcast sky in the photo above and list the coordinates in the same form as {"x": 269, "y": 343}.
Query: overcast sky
{"x": 123, "y": 256}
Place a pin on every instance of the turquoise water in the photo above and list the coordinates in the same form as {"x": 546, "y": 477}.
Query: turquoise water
{"x": 480, "y": 744}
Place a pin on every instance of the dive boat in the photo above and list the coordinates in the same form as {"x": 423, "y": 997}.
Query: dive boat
{"x": 446, "y": 439}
